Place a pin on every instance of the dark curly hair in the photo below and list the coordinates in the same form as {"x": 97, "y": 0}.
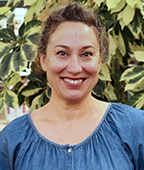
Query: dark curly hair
{"x": 77, "y": 13}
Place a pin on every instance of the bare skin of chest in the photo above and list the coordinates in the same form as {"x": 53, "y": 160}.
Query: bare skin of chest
{"x": 71, "y": 131}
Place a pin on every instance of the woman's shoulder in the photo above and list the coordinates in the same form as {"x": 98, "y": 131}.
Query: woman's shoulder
{"x": 127, "y": 113}
{"x": 17, "y": 125}
{"x": 17, "y": 130}
{"x": 128, "y": 121}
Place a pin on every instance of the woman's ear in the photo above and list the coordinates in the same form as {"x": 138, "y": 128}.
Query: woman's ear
{"x": 43, "y": 62}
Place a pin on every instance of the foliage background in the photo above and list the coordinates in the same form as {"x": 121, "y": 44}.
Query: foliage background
{"x": 121, "y": 78}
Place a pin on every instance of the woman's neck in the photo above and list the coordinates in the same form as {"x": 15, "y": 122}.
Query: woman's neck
{"x": 66, "y": 111}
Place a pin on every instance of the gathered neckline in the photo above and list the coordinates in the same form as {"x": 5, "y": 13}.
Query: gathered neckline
{"x": 68, "y": 145}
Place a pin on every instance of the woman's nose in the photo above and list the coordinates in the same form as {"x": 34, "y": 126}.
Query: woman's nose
{"x": 74, "y": 65}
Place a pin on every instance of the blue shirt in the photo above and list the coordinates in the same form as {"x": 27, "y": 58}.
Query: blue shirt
{"x": 117, "y": 143}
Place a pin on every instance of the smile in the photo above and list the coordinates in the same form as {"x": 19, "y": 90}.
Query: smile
{"x": 73, "y": 81}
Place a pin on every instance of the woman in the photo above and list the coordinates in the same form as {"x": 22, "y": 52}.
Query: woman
{"x": 74, "y": 130}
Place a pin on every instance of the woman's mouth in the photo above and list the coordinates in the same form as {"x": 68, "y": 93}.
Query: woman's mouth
{"x": 73, "y": 81}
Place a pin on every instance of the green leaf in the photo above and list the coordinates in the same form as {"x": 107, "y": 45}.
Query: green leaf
{"x": 37, "y": 102}
{"x": 31, "y": 24}
{"x": 34, "y": 38}
{"x": 98, "y": 2}
{"x": 10, "y": 21}
{"x": 112, "y": 45}
{"x": 132, "y": 73}
{"x": 119, "y": 7}
{"x": 30, "y": 13}
{"x": 4, "y": 47}
{"x": 19, "y": 62}
{"x": 1, "y": 104}
{"x": 14, "y": 2}
{"x": 7, "y": 34}
{"x": 30, "y": 90}
{"x": 29, "y": 2}
{"x": 10, "y": 99}
{"x": 139, "y": 55}
{"x": 40, "y": 5}
{"x": 137, "y": 100}
{"x": 32, "y": 28}
{"x": 99, "y": 88}
{"x": 13, "y": 79}
{"x": 135, "y": 83}
{"x": 4, "y": 10}
{"x": 109, "y": 92}
{"x": 136, "y": 22}
{"x": 104, "y": 73}
{"x": 5, "y": 65}
{"x": 29, "y": 51}
{"x": 128, "y": 14}
{"x": 112, "y": 3}
{"x": 121, "y": 44}
{"x": 132, "y": 3}
{"x": 21, "y": 30}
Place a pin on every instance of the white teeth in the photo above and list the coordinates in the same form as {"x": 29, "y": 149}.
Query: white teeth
{"x": 73, "y": 81}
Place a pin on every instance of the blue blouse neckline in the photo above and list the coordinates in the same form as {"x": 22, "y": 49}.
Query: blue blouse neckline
{"x": 68, "y": 145}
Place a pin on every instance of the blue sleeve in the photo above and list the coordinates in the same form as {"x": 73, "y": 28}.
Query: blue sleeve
{"x": 131, "y": 131}
{"x": 4, "y": 160}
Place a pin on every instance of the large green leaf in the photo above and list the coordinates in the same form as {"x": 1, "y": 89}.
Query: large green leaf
{"x": 118, "y": 8}
{"x": 128, "y": 14}
{"x": 30, "y": 13}
{"x": 109, "y": 93}
{"x": 10, "y": 99}
{"x": 32, "y": 27}
{"x": 112, "y": 45}
{"x": 19, "y": 62}
{"x": 4, "y": 47}
{"x": 30, "y": 90}
{"x": 99, "y": 88}
{"x": 21, "y": 30}
{"x": 135, "y": 82}
{"x": 5, "y": 65}
{"x": 1, "y": 104}
{"x": 137, "y": 100}
{"x": 40, "y": 5}
{"x": 121, "y": 44}
{"x": 7, "y": 34}
{"x": 104, "y": 73}
{"x": 14, "y": 2}
{"x": 13, "y": 79}
{"x": 37, "y": 102}
{"x": 139, "y": 55}
{"x": 34, "y": 38}
{"x": 29, "y": 2}
{"x": 98, "y": 2}
{"x": 29, "y": 51}
{"x": 132, "y": 73}
{"x": 4, "y": 9}
{"x": 132, "y": 3}
{"x": 112, "y": 3}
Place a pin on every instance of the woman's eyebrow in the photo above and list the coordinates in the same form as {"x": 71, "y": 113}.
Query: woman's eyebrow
{"x": 88, "y": 46}
{"x": 64, "y": 46}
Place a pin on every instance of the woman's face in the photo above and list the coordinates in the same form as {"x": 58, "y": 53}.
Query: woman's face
{"x": 72, "y": 61}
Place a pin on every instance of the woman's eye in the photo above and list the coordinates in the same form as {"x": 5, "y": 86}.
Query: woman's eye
{"x": 62, "y": 53}
{"x": 87, "y": 54}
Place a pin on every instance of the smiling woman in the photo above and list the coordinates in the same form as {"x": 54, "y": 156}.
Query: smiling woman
{"x": 74, "y": 130}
